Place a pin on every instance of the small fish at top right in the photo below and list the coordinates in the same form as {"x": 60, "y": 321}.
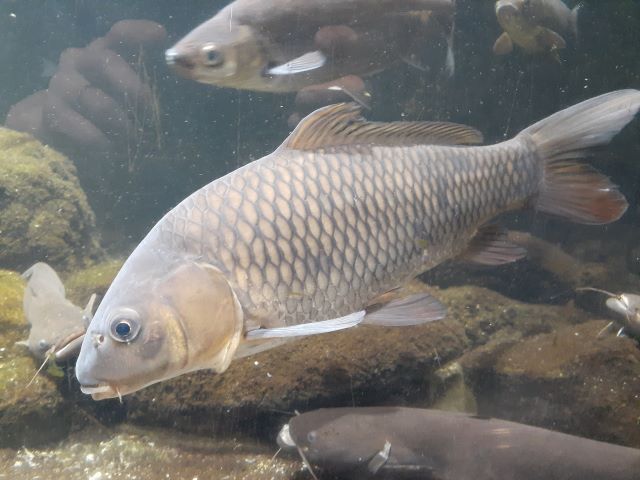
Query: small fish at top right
{"x": 536, "y": 26}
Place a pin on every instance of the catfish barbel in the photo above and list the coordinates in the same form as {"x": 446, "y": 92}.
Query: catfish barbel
{"x": 322, "y": 234}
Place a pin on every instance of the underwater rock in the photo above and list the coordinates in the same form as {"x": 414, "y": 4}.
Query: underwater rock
{"x": 28, "y": 415}
{"x": 142, "y": 454}
{"x": 361, "y": 366}
{"x": 13, "y": 326}
{"x": 44, "y": 211}
{"x": 81, "y": 284}
{"x": 569, "y": 380}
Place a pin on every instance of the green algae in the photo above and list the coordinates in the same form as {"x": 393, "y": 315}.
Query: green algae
{"x": 28, "y": 414}
{"x": 149, "y": 454}
{"x": 11, "y": 291}
{"x": 81, "y": 284}
{"x": 44, "y": 211}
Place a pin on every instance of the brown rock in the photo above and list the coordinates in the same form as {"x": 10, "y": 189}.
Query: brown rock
{"x": 568, "y": 380}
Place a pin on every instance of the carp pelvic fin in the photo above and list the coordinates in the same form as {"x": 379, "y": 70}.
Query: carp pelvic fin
{"x": 306, "y": 329}
{"x": 393, "y": 310}
{"x": 342, "y": 125}
{"x": 490, "y": 246}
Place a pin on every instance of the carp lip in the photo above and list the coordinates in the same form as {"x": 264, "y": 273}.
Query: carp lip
{"x": 99, "y": 391}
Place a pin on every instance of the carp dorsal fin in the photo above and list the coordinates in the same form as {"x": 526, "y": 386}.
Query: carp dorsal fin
{"x": 342, "y": 124}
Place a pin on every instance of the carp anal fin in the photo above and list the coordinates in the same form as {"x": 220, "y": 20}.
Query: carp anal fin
{"x": 304, "y": 63}
{"x": 490, "y": 246}
{"x": 305, "y": 329}
{"x": 413, "y": 309}
{"x": 503, "y": 44}
{"x": 342, "y": 125}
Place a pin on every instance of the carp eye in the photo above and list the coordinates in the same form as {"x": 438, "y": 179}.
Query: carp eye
{"x": 43, "y": 344}
{"x": 125, "y": 325}
{"x": 312, "y": 436}
{"x": 212, "y": 56}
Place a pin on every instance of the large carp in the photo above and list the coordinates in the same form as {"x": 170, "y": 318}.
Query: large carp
{"x": 322, "y": 234}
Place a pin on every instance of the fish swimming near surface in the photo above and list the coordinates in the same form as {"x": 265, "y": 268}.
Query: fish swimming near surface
{"x": 536, "y": 26}
{"x": 285, "y": 45}
{"x": 396, "y": 442}
{"x": 323, "y": 233}
{"x": 57, "y": 325}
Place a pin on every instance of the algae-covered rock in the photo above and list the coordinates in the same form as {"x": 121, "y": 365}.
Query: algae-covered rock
{"x": 94, "y": 279}
{"x": 33, "y": 414}
{"x": 12, "y": 323}
{"x": 149, "y": 454}
{"x": 569, "y": 380}
{"x": 44, "y": 214}
{"x": 362, "y": 366}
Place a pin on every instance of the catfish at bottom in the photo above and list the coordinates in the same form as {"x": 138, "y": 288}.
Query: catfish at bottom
{"x": 396, "y": 442}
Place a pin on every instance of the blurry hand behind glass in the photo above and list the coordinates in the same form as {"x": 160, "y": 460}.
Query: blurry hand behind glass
{"x": 100, "y": 99}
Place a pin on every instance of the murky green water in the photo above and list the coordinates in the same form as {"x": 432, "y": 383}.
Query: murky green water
{"x": 119, "y": 143}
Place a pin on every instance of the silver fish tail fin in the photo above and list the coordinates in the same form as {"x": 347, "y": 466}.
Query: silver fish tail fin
{"x": 570, "y": 189}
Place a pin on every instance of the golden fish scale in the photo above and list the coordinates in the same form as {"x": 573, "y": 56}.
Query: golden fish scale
{"x": 307, "y": 236}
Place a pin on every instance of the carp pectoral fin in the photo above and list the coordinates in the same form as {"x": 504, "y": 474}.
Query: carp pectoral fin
{"x": 380, "y": 458}
{"x": 402, "y": 311}
{"x": 490, "y": 246}
{"x": 342, "y": 125}
{"x": 305, "y": 329}
{"x": 503, "y": 45}
{"x": 304, "y": 63}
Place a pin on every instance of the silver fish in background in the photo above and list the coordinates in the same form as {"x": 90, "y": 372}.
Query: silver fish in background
{"x": 285, "y": 45}
{"x": 396, "y": 442}
{"x": 627, "y": 308}
{"x": 57, "y": 325}
{"x": 323, "y": 233}
{"x": 536, "y": 26}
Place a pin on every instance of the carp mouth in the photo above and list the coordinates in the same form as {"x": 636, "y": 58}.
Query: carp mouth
{"x": 101, "y": 391}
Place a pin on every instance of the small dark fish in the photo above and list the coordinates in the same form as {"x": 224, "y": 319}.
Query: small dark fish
{"x": 57, "y": 325}
{"x": 395, "y": 442}
{"x": 536, "y": 26}
{"x": 286, "y": 45}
